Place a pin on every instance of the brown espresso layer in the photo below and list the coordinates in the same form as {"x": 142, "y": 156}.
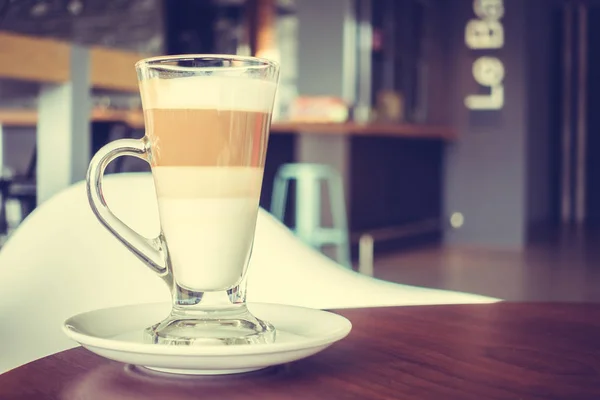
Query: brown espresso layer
{"x": 207, "y": 137}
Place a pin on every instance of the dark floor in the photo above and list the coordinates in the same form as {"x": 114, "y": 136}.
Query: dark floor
{"x": 562, "y": 266}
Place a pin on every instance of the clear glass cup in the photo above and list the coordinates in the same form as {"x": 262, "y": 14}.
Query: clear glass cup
{"x": 207, "y": 123}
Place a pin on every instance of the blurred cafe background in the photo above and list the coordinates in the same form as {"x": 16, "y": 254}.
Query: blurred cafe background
{"x": 439, "y": 143}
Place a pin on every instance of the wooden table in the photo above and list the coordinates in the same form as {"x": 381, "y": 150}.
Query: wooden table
{"x": 479, "y": 352}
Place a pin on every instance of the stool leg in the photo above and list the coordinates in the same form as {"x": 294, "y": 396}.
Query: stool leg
{"x": 279, "y": 197}
{"x": 308, "y": 209}
{"x": 338, "y": 213}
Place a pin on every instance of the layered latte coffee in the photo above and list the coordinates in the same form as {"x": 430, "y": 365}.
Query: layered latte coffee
{"x": 208, "y": 138}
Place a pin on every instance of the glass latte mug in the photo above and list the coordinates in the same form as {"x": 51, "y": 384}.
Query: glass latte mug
{"x": 207, "y": 124}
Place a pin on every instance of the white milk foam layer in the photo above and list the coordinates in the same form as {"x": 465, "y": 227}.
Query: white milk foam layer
{"x": 209, "y": 237}
{"x": 209, "y": 92}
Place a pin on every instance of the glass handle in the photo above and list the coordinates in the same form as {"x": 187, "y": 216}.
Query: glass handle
{"x": 150, "y": 251}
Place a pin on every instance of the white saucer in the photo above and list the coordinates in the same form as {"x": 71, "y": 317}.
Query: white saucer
{"x": 117, "y": 334}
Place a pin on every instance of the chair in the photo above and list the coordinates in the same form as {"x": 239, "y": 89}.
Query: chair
{"x": 309, "y": 229}
{"x": 60, "y": 261}
{"x": 21, "y": 188}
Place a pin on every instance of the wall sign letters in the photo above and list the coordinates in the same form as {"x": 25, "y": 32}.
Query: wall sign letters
{"x": 486, "y": 32}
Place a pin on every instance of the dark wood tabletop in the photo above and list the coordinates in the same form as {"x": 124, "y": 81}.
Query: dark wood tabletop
{"x": 480, "y": 352}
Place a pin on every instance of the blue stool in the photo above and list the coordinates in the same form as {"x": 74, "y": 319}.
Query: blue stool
{"x": 308, "y": 227}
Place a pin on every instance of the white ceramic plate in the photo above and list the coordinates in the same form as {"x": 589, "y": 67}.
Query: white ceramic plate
{"x": 117, "y": 334}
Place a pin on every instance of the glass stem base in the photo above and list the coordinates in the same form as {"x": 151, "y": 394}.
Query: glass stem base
{"x": 210, "y": 318}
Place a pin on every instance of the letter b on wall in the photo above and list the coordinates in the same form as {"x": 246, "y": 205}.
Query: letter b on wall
{"x": 484, "y": 34}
